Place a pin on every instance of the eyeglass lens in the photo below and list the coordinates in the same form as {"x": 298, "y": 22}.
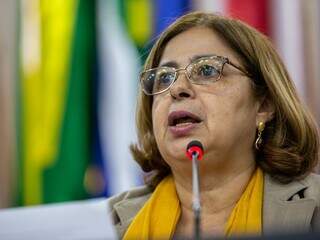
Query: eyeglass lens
{"x": 202, "y": 71}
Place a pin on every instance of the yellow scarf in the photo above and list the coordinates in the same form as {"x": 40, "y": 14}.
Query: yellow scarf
{"x": 246, "y": 217}
{"x": 159, "y": 216}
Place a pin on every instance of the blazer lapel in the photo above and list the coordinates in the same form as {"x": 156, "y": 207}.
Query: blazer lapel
{"x": 283, "y": 210}
{"x": 126, "y": 210}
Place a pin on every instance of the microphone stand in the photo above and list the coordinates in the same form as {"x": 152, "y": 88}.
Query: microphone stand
{"x": 196, "y": 206}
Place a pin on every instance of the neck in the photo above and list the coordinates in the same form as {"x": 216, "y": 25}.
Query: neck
{"x": 215, "y": 188}
{"x": 219, "y": 193}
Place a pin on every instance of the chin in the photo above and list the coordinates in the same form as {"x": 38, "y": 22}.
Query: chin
{"x": 176, "y": 149}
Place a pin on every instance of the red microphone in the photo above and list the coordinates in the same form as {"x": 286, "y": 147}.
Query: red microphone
{"x": 194, "y": 147}
{"x": 195, "y": 152}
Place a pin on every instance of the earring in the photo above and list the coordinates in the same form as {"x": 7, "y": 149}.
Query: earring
{"x": 258, "y": 142}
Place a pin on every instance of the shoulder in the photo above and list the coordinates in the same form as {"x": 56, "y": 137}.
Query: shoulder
{"x": 313, "y": 178}
{"x": 307, "y": 187}
{"x": 135, "y": 195}
{"x": 312, "y": 182}
{"x": 313, "y": 191}
{"x": 293, "y": 206}
{"x": 124, "y": 207}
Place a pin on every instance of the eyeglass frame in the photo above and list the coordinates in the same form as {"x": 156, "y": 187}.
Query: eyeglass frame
{"x": 224, "y": 60}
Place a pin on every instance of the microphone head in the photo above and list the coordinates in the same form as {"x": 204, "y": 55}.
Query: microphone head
{"x": 194, "y": 147}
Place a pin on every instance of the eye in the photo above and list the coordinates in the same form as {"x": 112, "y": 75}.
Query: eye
{"x": 166, "y": 78}
{"x": 150, "y": 77}
{"x": 207, "y": 71}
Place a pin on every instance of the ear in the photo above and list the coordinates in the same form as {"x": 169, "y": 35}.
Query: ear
{"x": 265, "y": 110}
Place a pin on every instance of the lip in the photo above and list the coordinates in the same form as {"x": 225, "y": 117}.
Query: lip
{"x": 185, "y": 129}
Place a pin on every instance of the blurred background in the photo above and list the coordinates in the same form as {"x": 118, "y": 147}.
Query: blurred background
{"x": 69, "y": 79}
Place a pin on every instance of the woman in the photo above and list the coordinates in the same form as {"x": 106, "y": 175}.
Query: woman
{"x": 219, "y": 81}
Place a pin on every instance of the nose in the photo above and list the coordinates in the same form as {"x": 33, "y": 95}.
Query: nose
{"x": 182, "y": 87}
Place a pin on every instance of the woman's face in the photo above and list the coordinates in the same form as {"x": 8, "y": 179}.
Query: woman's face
{"x": 222, "y": 115}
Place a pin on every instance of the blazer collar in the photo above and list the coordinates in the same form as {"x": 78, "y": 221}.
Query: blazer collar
{"x": 126, "y": 210}
{"x": 283, "y": 209}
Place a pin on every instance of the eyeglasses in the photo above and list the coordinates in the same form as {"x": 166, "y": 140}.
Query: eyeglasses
{"x": 202, "y": 71}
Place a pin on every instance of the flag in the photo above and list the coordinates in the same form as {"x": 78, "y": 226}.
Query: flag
{"x": 213, "y": 6}
{"x": 8, "y": 27}
{"x": 65, "y": 179}
{"x": 253, "y": 12}
{"x": 118, "y": 81}
{"x": 139, "y": 27}
{"x": 167, "y": 11}
{"x": 54, "y": 106}
{"x": 287, "y": 35}
{"x": 311, "y": 34}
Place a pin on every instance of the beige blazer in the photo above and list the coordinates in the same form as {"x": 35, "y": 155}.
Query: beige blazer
{"x": 287, "y": 208}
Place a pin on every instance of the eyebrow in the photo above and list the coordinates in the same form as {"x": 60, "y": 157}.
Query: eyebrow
{"x": 176, "y": 65}
{"x": 170, "y": 64}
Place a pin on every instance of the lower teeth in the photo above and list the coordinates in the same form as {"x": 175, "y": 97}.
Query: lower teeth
{"x": 183, "y": 124}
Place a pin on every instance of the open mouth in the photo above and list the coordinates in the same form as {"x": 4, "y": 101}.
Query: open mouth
{"x": 182, "y": 118}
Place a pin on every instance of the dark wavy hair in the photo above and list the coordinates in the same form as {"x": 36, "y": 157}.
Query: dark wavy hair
{"x": 290, "y": 140}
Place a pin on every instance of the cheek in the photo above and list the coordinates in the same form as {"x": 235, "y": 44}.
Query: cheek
{"x": 242, "y": 115}
{"x": 159, "y": 115}
{"x": 235, "y": 109}
{"x": 240, "y": 99}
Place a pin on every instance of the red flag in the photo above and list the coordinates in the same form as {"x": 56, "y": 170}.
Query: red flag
{"x": 253, "y": 12}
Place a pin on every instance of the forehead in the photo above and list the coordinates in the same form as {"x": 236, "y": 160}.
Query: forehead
{"x": 193, "y": 42}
